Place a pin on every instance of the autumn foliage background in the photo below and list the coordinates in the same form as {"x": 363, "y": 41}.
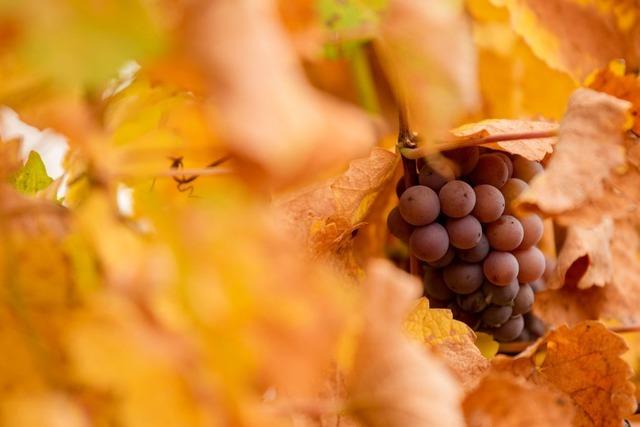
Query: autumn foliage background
{"x": 193, "y": 222}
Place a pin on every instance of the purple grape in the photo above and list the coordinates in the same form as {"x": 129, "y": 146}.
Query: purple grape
{"x": 445, "y": 260}
{"x": 476, "y": 253}
{"x": 463, "y": 278}
{"x": 429, "y": 243}
{"x": 501, "y": 295}
{"x": 489, "y": 203}
{"x": 501, "y": 268}
{"x": 533, "y": 228}
{"x": 511, "y": 190}
{"x": 524, "y": 300}
{"x": 472, "y": 303}
{"x": 491, "y": 169}
{"x": 419, "y": 205}
{"x": 495, "y": 315}
{"x": 435, "y": 287}
{"x": 457, "y": 199}
{"x": 505, "y": 234}
{"x": 465, "y": 232}
{"x": 531, "y": 264}
{"x": 466, "y": 158}
{"x": 526, "y": 169}
{"x": 397, "y": 226}
{"x": 510, "y": 330}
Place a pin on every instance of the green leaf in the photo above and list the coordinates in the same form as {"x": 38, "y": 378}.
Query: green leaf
{"x": 32, "y": 177}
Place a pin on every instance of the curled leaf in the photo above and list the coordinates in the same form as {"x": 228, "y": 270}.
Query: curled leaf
{"x": 585, "y": 258}
{"x": 590, "y": 146}
{"x": 395, "y": 382}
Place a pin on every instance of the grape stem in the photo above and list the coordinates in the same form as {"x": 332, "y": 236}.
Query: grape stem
{"x": 426, "y": 150}
{"x": 407, "y": 140}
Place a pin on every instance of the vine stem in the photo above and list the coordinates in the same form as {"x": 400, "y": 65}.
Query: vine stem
{"x": 407, "y": 140}
{"x": 426, "y": 150}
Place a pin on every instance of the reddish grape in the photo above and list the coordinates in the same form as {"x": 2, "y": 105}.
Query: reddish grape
{"x": 435, "y": 287}
{"x": 466, "y": 158}
{"x": 505, "y": 234}
{"x": 433, "y": 179}
{"x": 550, "y": 266}
{"x": 429, "y": 243}
{"x": 496, "y": 315}
{"x": 525, "y": 335}
{"x": 509, "y": 330}
{"x": 507, "y": 162}
{"x": 463, "y": 278}
{"x": 524, "y": 300}
{"x": 533, "y": 228}
{"x": 538, "y": 285}
{"x": 526, "y": 169}
{"x": 444, "y": 261}
{"x": 489, "y": 203}
{"x": 465, "y": 232}
{"x": 476, "y": 253}
{"x": 398, "y": 226}
{"x": 457, "y": 199}
{"x": 491, "y": 169}
{"x": 419, "y": 205}
{"x": 501, "y": 268}
{"x": 472, "y": 303}
{"x": 531, "y": 264}
{"x": 400, "y": 187}
{"x": 501, "y": 295}
{"x": 535, "y": 325}
{"x": 511, "y": 190}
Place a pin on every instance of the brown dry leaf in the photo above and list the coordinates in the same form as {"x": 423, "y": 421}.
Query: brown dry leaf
{"x": 613, "y": 81}
{"x": 503, "y": 400}
{"x": 617, "y": 300}
{"x": 532, "y": 149}
{"x": 590, "y": 146}
{"x": 579, "y": 37}
{"x": 585, "y": 258}
{"x": 394, "y": 382}
{"x": 584, "y": 363}
{"x": 325, "y": 215}
{"x": 452, "y": 340}
{"x": 427, "y": 53}
{"x": 286, "y": 128}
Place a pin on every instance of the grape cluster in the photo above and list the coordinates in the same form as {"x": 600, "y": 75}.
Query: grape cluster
{"x": 477, "y": 257}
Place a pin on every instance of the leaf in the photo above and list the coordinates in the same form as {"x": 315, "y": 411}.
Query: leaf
{"x": 285, "y": 130}
{"x": 451, "y": 340}
{"x": 614, "y": 81}
{"x": 532, "y": 149}
{"x": 578, "y": 37}
{"x": 427, "y": 53}
{"x": 514, "y": 82}
{"x": 32, "y": 177}
{"x": 617, "y": 300}
{"x": 591, "y": 131}
{"x": 585, "y": 259}
{"x": 395, "y": 382}
{"x": 584, "y": 364}
{"x": 503, "y": 400}
{"x": 325, "y": 215}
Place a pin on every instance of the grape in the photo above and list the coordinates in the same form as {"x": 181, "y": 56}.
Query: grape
{"x": 400, "y": 187}
{"x": 476, "y": 253}
{"x": 505, "y": 234}
{"x": 489, "y": 203}
{"x": 511, "y": 190}
{"x": 526, "y": 169}
{"x": 433, "y": 179}
{"x": 531, "y": 264}
{"x": 538, "y": 285}
{"x": 525, "y": 335}
{"x": 507, "y": 161}
{"x": 444, "y": 261}
{"x": 463, "y": 278}
{"x": 533, "y": 228}
{"x": 435, "y": 287}
{"x": 491, "y": 169}
{"x": 510, "y": 330}
{"x": 398, "y": 226}
{"x": 466, "y": 158}
{"x": 465, "y": 232}
{"x": 496, "y": 315}
{"x": 501, "y": 295}
{"x": 524, "y": 300}
{"x": 419, "y": 205}
{"x": 457, "y": 199}
{"x": 501, "y": 268}
{"x": 429, "y": 243}
{"x": 472, "y": 303}
{"x": 534, "y": 324}
{"x": 471, "y": 319}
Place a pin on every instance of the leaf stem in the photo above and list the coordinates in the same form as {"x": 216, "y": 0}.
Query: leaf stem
{"x": 425, "y": 150}
{"x": 407, "y": 139}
